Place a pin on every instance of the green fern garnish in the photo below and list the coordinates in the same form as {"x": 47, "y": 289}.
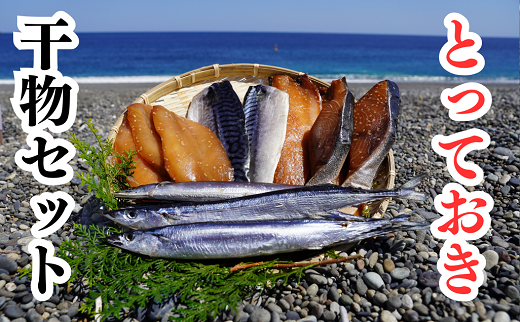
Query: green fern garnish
{"x": 110, "y": 177}
{"x": 124, "y": 279}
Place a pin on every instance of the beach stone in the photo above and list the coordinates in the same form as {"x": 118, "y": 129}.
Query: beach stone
{"x": 372, "y": 260}
{"x": 64, "y": 318}
{"x": 248, "y": 308}
{"x": 284, "y": 305}
{"x": 312, "y": 290}
{"x": 504, "y": 256}
{"x": 515, "y": 181}
{"x": 333, "y": 294}
{"x": 310, "y": 318}
{"x": 498, "y": 241}
{"x": 316, "y": 279}
{"x": 274, "y": 308}
{"x": 492, "y": 177}
{"x": 491, "y": 259}
{"x": 291, "y": 315}
{"x": 317, "y": 311}
{"x": 387, "y": 316}
{"x": 260, "y": 315}
{"x": 512, "y": 292}
{"x": 406, "y": 302}
{"x": 380, "y": 299}
{"x": 241, "y": 317}
{"x": 373, "y": 280}
{"x": 328, "y": 316}
{"x": 411, "y": 316}
{"x": 14, "y": 312}
{"x": 345, "y": 300}
{"x": 393, "y": 303}
{"x": 430, "y": 279}
{"x": 503, "y": 151}
{"x": 72, "y": 311}
{"x": 334, "y": 307}
{"x": 275, "y": 317}
{"x": 400, "y": 273}
{"x": 501, "y": 316}
{"x": 378, "y": 268}
{"x": 361, "y": 288}
{"x": 8, "y": 264}
{"x": 388, "y": 265}
{"x": 33, "y": 316}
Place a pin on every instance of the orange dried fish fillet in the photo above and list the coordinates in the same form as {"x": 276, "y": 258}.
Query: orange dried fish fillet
{"x": 375, "y": 126}
{"x": 304, "y": 107}
{"x": 146, "y": 139}
{"x": 143, "y": 172}
{"x": 192, "y": 152}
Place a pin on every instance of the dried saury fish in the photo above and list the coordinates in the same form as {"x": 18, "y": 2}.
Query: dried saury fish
{"x": 296, "y": 203}
{"x": 375, "y": 126}
{"x": 265, "y": 110}
{"x": 199, "y": 191}
{"x": 219, "y": 108}
{"x": 331, "y": 135}
{"x": 218, "y": 240}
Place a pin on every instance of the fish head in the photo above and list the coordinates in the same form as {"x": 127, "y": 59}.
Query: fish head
{"x": 137, "y": 218}
{"x": 135, "y": 241}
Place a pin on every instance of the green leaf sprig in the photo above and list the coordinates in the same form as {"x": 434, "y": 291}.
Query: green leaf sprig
{"x": 123, "y": 279}
{"x": 106, "y": 177}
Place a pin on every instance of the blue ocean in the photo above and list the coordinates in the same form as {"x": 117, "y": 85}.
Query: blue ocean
{"x": 127, "y": 57}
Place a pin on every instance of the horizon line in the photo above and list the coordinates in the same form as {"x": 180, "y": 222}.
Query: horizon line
{"x": 270, "y": 32}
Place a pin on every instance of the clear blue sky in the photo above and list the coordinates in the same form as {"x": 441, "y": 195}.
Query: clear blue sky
{"x": 488, "y": 18}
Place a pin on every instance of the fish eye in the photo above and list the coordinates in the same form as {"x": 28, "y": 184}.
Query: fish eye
{"x": 129, "y": 236}
{"x": 132, "y": 214}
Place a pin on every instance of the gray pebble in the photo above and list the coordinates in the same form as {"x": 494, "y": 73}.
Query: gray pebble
{"x": 373, "y": 280}
{"x": 14, "y": 312}
{"x": 333, "y": 294}
{"x": 411, "y": 316}
{"x": 260, "y": 315}
{"x": 501, "y": 317}
{"x": 345, "y": 300}
{"x": 380, "y": 299}
{"x": 361, "y": 288}
{"x": 275, "y": 317}
{"x": 316, "y": 279}
{"x": 312, "y": 290}
{"x": 400, "y": 273}
{"x": 491, "y": 259}
{"x": 317, "y": 311}
{"x": 291, "y": 315}
{"x": 274, "y": 308}
{"x": 241, "y": 317}
{"x": 387, "y": 316}
{"x": 512, "y": 292}
{"x": 394, "y": 303}
{"x": 407, "y": 302}
{"x": 492, "y": 177}
{"x": 310, "y": 318}
{"x": 72, "y": 311}
{"x": 64, "y": 318}
{"x": 328, "y": 316}
{"x": 33, "y": 316}
{"x": 284, "y": 305}
{"x": 334, "y": 307}
{"x": 8, "y": 264}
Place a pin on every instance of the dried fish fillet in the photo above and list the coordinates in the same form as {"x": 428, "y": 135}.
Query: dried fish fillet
{"x": 192, "y": 152}
{"x": 144, "y": 173}
{"x": 304, "y": 107}
{"x": 375, "y": 126}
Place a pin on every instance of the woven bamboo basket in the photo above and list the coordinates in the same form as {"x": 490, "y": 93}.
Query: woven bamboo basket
{"x": 176, "y": 93}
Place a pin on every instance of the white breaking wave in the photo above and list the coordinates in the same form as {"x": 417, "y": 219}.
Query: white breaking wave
{"x": 351, "y": 78}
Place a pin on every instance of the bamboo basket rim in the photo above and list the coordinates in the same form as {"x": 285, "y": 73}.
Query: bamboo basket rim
{"x": 216, "y": 72}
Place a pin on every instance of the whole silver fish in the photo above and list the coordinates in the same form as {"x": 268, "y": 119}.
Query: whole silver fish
{"x": 247, "y": 239}
{"x": 297, "y": 203}
{"x": 266, "y": 109}
{"x": 199, "y": 191}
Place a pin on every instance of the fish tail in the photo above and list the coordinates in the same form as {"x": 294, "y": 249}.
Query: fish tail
{"x": 414, "y": 182}
{"x": 407, "y": 190}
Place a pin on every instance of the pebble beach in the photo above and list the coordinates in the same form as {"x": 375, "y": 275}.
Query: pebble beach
{"x": 397, "y": 278}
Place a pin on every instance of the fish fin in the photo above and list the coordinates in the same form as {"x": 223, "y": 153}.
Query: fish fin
{"x": 341, "y": 216}
{"x": 414, "y": 182}
{"x": 161, "y": 237}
